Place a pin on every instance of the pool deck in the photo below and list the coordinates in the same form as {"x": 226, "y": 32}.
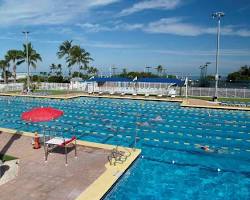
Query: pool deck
{"x": 84, "y": 94}
{"x": 89, "y": 176}
{"x": 195, "y": 103}
{"x": 198, "y": 103}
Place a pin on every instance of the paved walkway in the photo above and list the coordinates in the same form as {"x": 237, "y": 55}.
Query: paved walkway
{"x": 38, "y": 180}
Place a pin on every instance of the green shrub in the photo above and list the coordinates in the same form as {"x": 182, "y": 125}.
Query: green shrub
{"x": 6, "y": 157}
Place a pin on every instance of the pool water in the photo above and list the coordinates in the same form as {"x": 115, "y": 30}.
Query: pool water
{"x": 172, "y": 164}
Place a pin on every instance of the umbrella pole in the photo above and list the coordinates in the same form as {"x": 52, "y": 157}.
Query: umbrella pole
{"x": 75, "y": 150}
{"x": 44, "y": 146}
{"x": 66, "y": 157}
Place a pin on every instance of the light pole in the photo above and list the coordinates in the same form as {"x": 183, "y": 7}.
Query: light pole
{"x": 27, "y": 60}
{"x": 218, "y": 16}
{"x": 203, "y": 75}
{"x": 206, "y": 65}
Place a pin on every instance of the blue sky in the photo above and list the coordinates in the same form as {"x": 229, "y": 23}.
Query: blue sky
{"x": 178, "y": 34}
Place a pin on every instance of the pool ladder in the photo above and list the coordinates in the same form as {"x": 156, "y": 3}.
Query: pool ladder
{"x": 117, "y": 156}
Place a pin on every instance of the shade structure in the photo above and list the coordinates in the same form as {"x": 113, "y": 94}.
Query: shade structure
{"x": 41, "y": 114}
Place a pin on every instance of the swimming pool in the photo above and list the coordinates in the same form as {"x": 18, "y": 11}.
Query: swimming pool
{"x": 172, "y": 165}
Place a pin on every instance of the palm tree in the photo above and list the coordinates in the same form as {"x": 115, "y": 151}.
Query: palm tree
{"x": 52, "y": 68}
{"x": 92, "y": 70}
{"x": 80, "y": 57}
{"x": 159, "y": 69}
{"x": 3, "y": 65}
{"x": 13, "y": 56}
{"x": 59, "y": 70}
{"x": 64, "y": 51}
{"x": 33, "y": 56}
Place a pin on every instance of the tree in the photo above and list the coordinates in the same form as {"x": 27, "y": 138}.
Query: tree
{"x": 64, "y": 51}
{"x": 52, "y": 69}
{"x": 3, "y": 66}
{"x": 92, "y": 70}
{"x": 159, "y": 69}
{"x": 79, "y": 57}
{"x": 43, "y": 73}
{"x": 33, "y": 56}
{"x": 55, "y": 70}
{"x": 59, "y": 70}
{"x": 241, "y": 75}
{"x": 13, "y": 56}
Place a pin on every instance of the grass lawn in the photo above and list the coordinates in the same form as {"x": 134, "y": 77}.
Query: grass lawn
{"x": 58, "y": 92}
{"x": 14, "y": 92}
{"x": 223, "y": 99}
{"x": 6, "y": 157}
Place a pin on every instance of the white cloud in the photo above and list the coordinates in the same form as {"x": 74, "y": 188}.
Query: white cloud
{"x": 151, "y": 4}
{"x": 177, "y": 26}
{"x": 89, "y": 27}
{"x": 173, "y": 26}
{"x": 45, "y": 12}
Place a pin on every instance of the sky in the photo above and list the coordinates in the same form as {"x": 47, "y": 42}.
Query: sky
{"x": 180, "y": 35}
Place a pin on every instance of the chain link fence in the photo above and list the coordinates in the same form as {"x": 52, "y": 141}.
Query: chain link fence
{"x": 222, "y": 92}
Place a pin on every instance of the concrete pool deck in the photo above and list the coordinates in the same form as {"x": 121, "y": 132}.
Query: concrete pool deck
{"x": 198, "y": 103}
{"x": 84, "y": 94}
{"x": 90, "y": 176}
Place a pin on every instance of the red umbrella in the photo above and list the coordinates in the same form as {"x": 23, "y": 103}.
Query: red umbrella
{"x": 42, "y": 114}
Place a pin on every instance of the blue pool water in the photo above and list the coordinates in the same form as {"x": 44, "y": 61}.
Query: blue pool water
{"x": 172, "y": 165}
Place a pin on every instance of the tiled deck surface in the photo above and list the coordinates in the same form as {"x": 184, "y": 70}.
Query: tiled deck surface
{"x": 51, "y": 180}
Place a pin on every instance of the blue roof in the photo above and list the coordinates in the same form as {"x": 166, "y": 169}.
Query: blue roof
{"x": 144, "y": 80}
{"x": 161, "y": 80}
{"x": 110, "y": 79}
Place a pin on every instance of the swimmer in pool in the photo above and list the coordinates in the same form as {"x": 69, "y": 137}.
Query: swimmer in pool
{"x": 157, "y": 119}
{"x": 210, "y": 150}
{"x": 105, "y": 120}
{"x": 206, "y": 148}
{"x": 146, "y": 124}
{"x": 230, "y": 122}
{"x": 112, "y": 129}
{"x": 121, "y": 112}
